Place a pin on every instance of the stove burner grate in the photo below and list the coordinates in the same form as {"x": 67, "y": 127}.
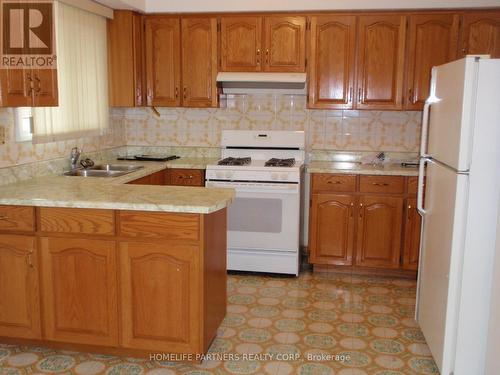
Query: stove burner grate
{"x": 235, "y": 161}
{"x": 274, "y": 162}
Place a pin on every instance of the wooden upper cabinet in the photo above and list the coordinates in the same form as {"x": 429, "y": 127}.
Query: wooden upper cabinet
{"x": 19, "y": 290}
{"x": 125, "y": 59}
{"x": 285, "y": 44}
{"x": 28, "y": 88}
{"x": 433, "y": 41}
{"x": 332, "y": 229}
{"x": 481, "y": 34}
{"x": 379, "y": 231}
{"x": 332, "y": 62}
{"x": 45, "y": 91}
{"x": 79, "y": 291}
{"x": 241, "y": 44}
{"x": 163, "y": 61}
{"x": 199, "y": 62}
{"x": 381, "y": 61}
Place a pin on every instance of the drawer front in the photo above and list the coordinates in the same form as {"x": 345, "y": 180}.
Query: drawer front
{"x": 412, "y": 185}
{"x": 17, "y": 218}
{"x": 382, "y": 184}
{"x": 77, "y": 220}
{"x": 177, "y": 226}
{"x": 186, "y": 177}
{"x": 333, "y": 182}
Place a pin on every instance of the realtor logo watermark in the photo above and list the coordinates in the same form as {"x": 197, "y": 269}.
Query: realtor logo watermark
{"x": 28, "y": 34}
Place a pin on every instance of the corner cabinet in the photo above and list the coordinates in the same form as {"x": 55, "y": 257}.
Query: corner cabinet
{"x": 269, "y": 44}
{"x": 359, "y": 223}
{"x": 380, "y": 65}
{"x": 332, "y": 62}
{"x": 481, "y": 34}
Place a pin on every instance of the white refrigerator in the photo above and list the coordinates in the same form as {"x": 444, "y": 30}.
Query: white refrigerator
{"x": 458, "y": 200}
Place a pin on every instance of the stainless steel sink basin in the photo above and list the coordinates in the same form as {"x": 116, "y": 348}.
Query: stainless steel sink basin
{"x": 116, "y": 167}
{"x": 105, "y": 170}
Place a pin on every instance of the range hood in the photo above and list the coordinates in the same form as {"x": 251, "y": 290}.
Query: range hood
{"x": 259, "y": 83}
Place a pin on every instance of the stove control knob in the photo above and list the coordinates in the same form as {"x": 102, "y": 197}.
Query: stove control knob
{"x": 284, "y": 176}
{"x": 274, "y": 176}
{"x": 229, "y": 175}
{"x": 219, "y": 174}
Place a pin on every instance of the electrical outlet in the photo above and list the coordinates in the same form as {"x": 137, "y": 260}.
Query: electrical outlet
{"x": 2, "y": 134}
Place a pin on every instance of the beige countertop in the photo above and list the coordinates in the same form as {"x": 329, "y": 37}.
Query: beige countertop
{"x": 390, "y": 169}
{"x": 114, "y": 193}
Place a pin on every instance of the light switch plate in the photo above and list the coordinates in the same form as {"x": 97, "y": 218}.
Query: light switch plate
{"x": 2, "y": 134}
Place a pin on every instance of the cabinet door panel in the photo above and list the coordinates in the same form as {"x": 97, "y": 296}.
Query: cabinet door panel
{"x": 80, "y": 291}
{"x": 332, "y": 229}
{"x": 199, "y": 62}
{"x": 19, "y": 291}
{"x": 381, "y": 61}
{"x": 433, "y": 41}
{"x": 284, "y": 44}
{"x": 481, "y": 34}
{"x": 332, "y": 59}
{"x": 160, "y": 294}
{"x": 412, "y": 235}
{"x": 163, "y": 73}
{"x": 379, "y": 232}
{"x": 45, "y": 88}
{"x": 241, "y": 44}
{"x": 15, "y": 88}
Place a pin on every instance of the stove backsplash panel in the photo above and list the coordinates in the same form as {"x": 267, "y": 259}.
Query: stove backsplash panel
{"x": 346, "y": 130}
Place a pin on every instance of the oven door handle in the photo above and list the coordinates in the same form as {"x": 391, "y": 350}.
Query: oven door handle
{"x": 256, "y": 188}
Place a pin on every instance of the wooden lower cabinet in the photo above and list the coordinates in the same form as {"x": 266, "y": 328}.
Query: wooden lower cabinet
{"x": 79, "y": 290}
{"x": 332, "y": 233}
{"x": 364, "y": 223}
{"x": 379, "y": 231}
{"x": 157, "y": 178}
{"x": 413, "y": 226}
{"x": 160, "y": 281}
{"x": 19, "y": 293}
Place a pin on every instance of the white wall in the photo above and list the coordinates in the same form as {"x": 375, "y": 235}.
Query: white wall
{"x": 492, "y": 360}
{"x": 150, "y": 6}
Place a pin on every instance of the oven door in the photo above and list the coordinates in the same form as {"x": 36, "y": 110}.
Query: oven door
{"x": 263, "y": 216}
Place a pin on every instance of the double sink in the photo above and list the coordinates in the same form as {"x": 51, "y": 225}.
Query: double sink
{"x": 104, "y": 170}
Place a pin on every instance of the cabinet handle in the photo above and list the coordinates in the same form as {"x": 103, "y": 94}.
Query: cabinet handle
{"x": 335, "y": 182}
{"x": 349, "y": 98}
{"x": 2, "y": 217}
{"x": 38, "y": 88}
{"x": 408, "y": 212}
{"x": 380, "y": 184}
{"x": 30, "y": 260}
{"x": 361, "y": 210}
{"x": 410, "y": 96}
{"x": 176, "y": 92}
{"x": 359, "y": 95}
{"x": 351, "y": 208}
{"x": 267, "y": 55}
{"x": 185, "y": 92}
{"x": 258, "y": 56}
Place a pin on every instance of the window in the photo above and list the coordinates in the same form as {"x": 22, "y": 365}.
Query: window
{"x": 23, "y": 120}
{"x": 82, "y": 79}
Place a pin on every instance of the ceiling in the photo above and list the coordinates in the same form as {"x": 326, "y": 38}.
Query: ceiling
{"x": 151, "y": 6}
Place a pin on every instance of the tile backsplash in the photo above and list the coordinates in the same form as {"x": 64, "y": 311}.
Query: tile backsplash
{"x": 326, "y": 130}
{"x": 347, "y": 130}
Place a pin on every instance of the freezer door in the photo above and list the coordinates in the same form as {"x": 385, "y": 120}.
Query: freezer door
{"x": 451, "y": 116}
{"x": 440, "y": 265}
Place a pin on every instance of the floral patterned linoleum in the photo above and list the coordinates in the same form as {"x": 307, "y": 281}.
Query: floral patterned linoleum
{"x": 334, "y": 324}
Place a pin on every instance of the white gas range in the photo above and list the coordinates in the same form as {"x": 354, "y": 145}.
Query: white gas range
{"x": 265, "y": 168}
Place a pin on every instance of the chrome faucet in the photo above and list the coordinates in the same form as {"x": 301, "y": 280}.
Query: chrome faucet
{"x": 74, "y": 156}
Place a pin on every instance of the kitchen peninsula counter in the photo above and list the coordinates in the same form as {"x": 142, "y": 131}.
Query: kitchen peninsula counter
{"x": 99, "y": 265}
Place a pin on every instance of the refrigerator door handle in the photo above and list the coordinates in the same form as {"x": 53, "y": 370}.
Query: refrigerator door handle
{"x": 420, "y": 189}
{"x": 425, "y": 129}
